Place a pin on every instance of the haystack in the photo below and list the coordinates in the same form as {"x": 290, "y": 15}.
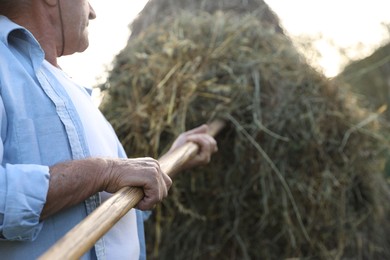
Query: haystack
{"x": 157, "y": 11}
{"x": 296, "y": 174}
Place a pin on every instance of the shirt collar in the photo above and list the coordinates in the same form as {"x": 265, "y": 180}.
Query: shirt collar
{"x": 10, "y": 29}
{"x": 7, "y": 26}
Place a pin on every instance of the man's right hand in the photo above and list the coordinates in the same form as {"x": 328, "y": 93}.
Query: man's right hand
{"x": 139, "y": 172}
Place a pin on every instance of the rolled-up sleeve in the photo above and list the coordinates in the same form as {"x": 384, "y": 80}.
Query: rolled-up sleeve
{"x": 23, "y": 191}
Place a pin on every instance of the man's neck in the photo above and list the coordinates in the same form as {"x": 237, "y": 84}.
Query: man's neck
{"x": 39, "y": 20}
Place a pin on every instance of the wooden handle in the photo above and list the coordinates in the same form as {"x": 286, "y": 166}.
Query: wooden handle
{"x": 84, "y": 235}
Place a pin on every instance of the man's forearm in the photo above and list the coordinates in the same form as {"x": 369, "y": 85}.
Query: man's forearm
{"x": 72, "y": 182}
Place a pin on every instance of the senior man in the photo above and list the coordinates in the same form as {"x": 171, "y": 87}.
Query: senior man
{"x": 59, "y": 157}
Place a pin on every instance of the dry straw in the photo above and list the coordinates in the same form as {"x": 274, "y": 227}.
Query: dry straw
{"x": 296, "y": 174}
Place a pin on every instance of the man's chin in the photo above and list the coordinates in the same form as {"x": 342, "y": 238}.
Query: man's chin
{"x": 83, "y": 45}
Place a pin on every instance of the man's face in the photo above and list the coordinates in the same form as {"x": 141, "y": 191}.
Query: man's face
{"x": 76, "y": 15}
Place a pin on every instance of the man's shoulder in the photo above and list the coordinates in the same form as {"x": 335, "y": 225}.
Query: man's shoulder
{"x": 16, "y": 45}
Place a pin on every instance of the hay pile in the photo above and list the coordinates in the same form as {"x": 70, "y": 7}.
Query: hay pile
{"x": 294, "y": 177}
{"x": 157, "y": 11}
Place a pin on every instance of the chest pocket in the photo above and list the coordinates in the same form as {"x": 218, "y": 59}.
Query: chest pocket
{"x": 41, "y": 141}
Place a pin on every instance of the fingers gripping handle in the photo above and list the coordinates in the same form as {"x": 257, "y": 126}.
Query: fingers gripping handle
{"x": 181, "y": 155}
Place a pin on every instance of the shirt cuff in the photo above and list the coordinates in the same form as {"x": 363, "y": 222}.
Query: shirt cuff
{"x": 23, "y": 192}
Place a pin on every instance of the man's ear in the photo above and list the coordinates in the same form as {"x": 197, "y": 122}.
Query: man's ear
{"x": 51, "y": 2}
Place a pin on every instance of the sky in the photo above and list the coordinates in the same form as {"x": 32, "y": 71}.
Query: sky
{"x": 354, "y": 25}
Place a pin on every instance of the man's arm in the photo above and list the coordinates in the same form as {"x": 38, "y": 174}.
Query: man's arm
{"x": 74, "y": 181}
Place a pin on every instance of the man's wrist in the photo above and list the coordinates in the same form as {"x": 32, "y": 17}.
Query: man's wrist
{"x": 104, "y": 169}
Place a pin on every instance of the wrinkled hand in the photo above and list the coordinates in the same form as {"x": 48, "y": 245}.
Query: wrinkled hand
{"x": 207, "y": 145}
{"x": 140, "y": 172}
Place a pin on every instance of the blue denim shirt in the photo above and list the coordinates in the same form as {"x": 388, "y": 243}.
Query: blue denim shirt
{"x": 39, "y": 127}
